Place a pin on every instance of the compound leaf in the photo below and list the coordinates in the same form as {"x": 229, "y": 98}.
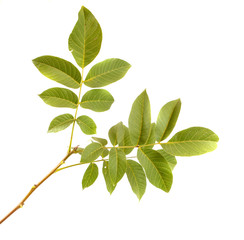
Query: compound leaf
{"x": 98, "y": 100}
{"x": 191, "y": 141}
{"x": 60, "y": 122}
{"x": 117, "y": 164}
{"x": 59, "y": 70}
{"x": 91, "y": 152}
{"x": 60, "y": 97}
{"x": 167, "y": 119}
{"x": 109, "y": 184}
{"x": 136, "y": 178}
{"x": 157, "y": 168}
{"x": 106, "y": 72}
{"x": 90, "y": 175}
{"x": 140, "y": 119}
{"x": 169, "y": 158}
{"x": 86, "y": 38}
{"x": 87, "y": 125}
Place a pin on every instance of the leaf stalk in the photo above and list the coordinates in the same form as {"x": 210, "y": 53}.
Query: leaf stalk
{"x": 76, "y": 111}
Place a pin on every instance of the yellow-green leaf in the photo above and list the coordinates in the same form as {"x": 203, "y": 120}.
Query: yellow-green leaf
{"x": 59, "y": 70}
{"x": 105, "y": 153}
{"x": 86, "y": 38}
{"x": 169, "y": 158}
{"x": 167, "y": 119}
{"x": 90, "y": 175}
{"x": 98, "y": 100}
{"x": 87, "y": 125}
{"x": 191, "y": 141}
{"x": 60, "y": 97}
{"x": 117, "y": 164}
{"x": 109, "y": 184}
{"x": 60, "y": 122}
{"x": 103, "y": 141}
{"x": 106, "y": 72}
{"x": 116, "y": 133}
{"x": 156, "y": 167}
{"x": 151, "y": 138}
{"x": 140, "y": 120}
{"x": 91, "y": 152}
{"x": 136, "y": 178}
{"x": 126, "y": 141}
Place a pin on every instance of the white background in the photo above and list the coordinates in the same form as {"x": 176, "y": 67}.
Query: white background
{"x": 188, "y": 49}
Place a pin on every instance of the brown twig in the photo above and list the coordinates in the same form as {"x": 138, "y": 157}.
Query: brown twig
{"x": 21, "y": 204}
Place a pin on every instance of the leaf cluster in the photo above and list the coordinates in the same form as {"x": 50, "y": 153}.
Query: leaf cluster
{"x": 156, "y": 157}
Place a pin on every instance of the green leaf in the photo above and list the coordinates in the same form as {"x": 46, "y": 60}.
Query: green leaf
{"x": 86, "y": 38}
{"x": 151, "y": 138}
{"x": 90, "y": 175}
{"x": 91, "y": 152}
{"x": 105, "y": 153}
{"x": 116, "y": 133}
{"x": 103, "y": 141}
{"x": 157, "y": 168}
{"x": 59, "y": 70}
{"x": 167, "y": 119}
{"x": 87, "y": 125}
{"x": 169, "y": 158}
{"x": 126, "y": 141}
{"x": 109, "y": 184}
{"x": 191, "y": 141}
{"x": 136, "y": 178}
{"x": 59, "y": 97}
{"x": 98, "y": 100}
{"x": 117, "y": 164}
{"x": 60, "y": 122}
{"x": 140, "y": 119}
{"x": 106, "y": 72}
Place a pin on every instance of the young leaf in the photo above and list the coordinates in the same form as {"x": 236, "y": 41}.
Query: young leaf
{"x": 116, "y": 133}
{"x": 90, "y": 175}
{"x": 117, "y": 164}
{"x": 103, "y": 141}
{"x": 98, "y": 100}
{"x": 60, "y": 122}
{"x": 79, "y": 150}
{"x": 86, "y": 38}
{"x": 140, "y": 119}
{"x": 151, "y": 138}
{"x": 157, "y": 168}
{"x": 169, "y": 158}
{"x": 59, "y": 97}
{"x": 91, "y": 152}
{"x": 109, "y": 184}
{"x": 105, "y": 153}
{"x": 126, "y": 141}
{"x": 191, "y": 141}
{"x": 136, "y": 178}
{"x": 167, "y": 118}
{"x": 106, "y": 72}
{"x": 59, "y": 70}
{"x": 87, "y": 125}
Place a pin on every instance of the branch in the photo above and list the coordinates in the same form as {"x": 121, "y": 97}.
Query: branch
{"x": 21, "y": 204}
